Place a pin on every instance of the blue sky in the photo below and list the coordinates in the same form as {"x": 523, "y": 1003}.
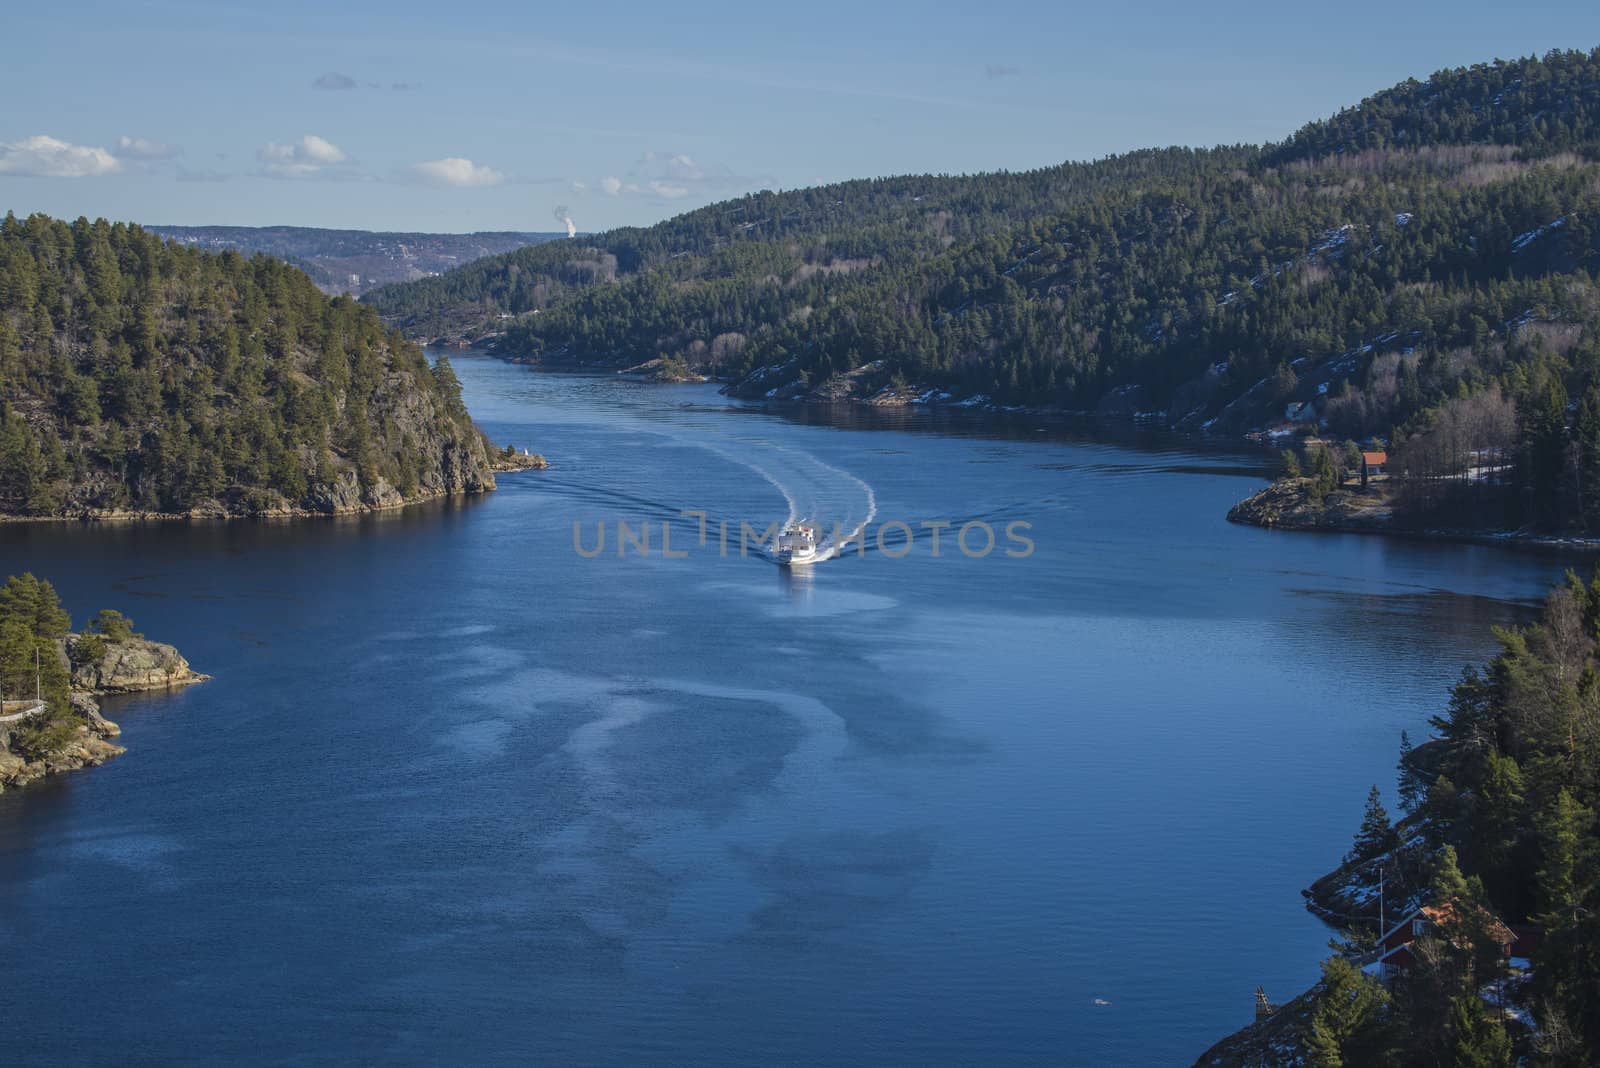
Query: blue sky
{"x": 476, "y": 116}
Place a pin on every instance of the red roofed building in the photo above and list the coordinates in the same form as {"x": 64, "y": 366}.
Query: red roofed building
{"x": 1374, "y": 465}
{"x": 1395, "y": 947}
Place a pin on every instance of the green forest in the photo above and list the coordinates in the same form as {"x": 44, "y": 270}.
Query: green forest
{"x": 1500, "y": 828}
{"x": 1417, "y": 270}
{"x": 140, "y": 376}
{"x": 32, "y": 622}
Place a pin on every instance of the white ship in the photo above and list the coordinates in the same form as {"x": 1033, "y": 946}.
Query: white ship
{"x": 796, "y": 544}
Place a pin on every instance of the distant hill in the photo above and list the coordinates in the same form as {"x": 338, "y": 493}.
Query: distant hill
{"x": 1411, "y": 269}
{"x": 354, "y": 261}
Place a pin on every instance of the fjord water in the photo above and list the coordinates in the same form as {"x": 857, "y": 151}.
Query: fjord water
{"x": 457, "y": 794}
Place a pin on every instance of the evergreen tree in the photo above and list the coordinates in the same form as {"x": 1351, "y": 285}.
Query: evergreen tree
{"x": 1477, "y": 1040}
{"x": 1567, "y": 961}
{"x": 1377, "y": 835}
{"x": 444, "y": 375}
{"x": 31, "y": 619}
{"x": 113, "y": 625}
{"x": 1412, "y": 786}
{"x": 1347, "y": 1027}
{"x": 1587, "y": 435}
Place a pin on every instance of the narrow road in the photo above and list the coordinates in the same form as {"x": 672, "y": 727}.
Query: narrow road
{"x": 31, "y": 710}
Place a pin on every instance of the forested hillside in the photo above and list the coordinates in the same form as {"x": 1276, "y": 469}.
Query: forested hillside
{"x": 768, "y": 241}
{"x": 1425, "y": 254}
{"x": 1500, "y": 842}
{"x": 139, "y": 376}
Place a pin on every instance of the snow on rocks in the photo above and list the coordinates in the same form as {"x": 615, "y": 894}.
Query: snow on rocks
{"x": 1522, "y": 241}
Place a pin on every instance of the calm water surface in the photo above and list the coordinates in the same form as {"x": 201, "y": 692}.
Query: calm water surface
{"x": 456, "y": 794}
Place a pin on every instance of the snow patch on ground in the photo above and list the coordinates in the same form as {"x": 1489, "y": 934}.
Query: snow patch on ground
{"x": 1522, "y": 241}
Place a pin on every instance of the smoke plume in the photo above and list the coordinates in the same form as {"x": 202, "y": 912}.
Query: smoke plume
{"x": 563, "y": 215}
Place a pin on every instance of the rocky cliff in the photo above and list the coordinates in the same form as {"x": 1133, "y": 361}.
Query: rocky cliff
{"x": 126, "y": 666}
{"x": 34, "y": 746}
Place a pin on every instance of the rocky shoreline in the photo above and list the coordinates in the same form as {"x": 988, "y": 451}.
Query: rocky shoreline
{"x": 1370, "y": 893}
{"x": 131, "y": 665}
{"x": 1288, "y": 504}
{"x": 216, "y": 510}
{"x": 510, "y": 461}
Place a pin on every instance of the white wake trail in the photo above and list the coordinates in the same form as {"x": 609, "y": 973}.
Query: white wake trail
{"x": 831, "y": 547}
{"x": 788, "y": 498}
{"x": 768, "y": 476}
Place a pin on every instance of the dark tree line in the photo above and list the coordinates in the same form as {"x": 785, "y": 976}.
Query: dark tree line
{"x": 136, "y": 374}
{"x": 1405, "y": 269}
{"x": 1502, "y": 810}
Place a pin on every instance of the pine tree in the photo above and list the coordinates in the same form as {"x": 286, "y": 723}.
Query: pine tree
{"x": 1411, "y": 784}
{"x": 31, "y": 619}
{"x": 1377, "y": 835}
{"x": 1563, "y": 968}
{"x": 1497, "y": 824}
{"x": 1587, "y": 433}
{"x": 34, "y": 603}
{"x": 1347, "y": 1026}
{"x": 444, "y": 375}
{"x": 1477, "y": 1040}
{"x": 1448, "y": 884}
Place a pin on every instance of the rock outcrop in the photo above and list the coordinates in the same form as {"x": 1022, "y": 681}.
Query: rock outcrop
{"x": 1289, "y": 504}
{"x": 127, "y": 666}
{"x": 34, "y": 747}
{"x": 509, "y": 459}
{"x": 87, "y": 745}
{"x": 1275, "y": 1039}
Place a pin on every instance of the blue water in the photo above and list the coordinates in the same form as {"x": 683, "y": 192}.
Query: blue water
{"x": 457, "y": 794}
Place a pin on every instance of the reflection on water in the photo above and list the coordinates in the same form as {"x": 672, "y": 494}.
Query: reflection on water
{"x": 796, "y": 581}
{"x": 457, "y": 794}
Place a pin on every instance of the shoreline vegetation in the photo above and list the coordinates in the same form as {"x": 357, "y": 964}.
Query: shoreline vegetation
{"x": 142, "y": 379}
{"x": 499, "y": 461}
{"x": 1328, "y": 489}
{"x": 1419, "y": 267}
{"x": 1465, "y": 930}
{"x": 61, "y": 729}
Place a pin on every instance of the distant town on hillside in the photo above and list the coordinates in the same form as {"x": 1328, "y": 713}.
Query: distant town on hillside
{"x": 354, "y": 261}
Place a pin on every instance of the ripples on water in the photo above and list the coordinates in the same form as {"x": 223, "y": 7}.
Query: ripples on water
{"x": 457, "y": 795}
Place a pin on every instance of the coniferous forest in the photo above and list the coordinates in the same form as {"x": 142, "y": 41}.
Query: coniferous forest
{"x": 824, "y": 794}
{"x": 1418, "y": 270}
{"x": 140, "y": 376}
{"x": 1498, "y": 840}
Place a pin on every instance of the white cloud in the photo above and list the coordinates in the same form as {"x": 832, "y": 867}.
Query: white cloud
{"x": 335, "y": 81}
{"x": 47, "y": 157}
{"x": 675, "y": 165}
{"x": 300, "y": 159}
{"x": 458, "y": 172}
{"x": 143, "y": 148}
{"x": 322, "y": 151}
{"x": 674, "y": 176}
